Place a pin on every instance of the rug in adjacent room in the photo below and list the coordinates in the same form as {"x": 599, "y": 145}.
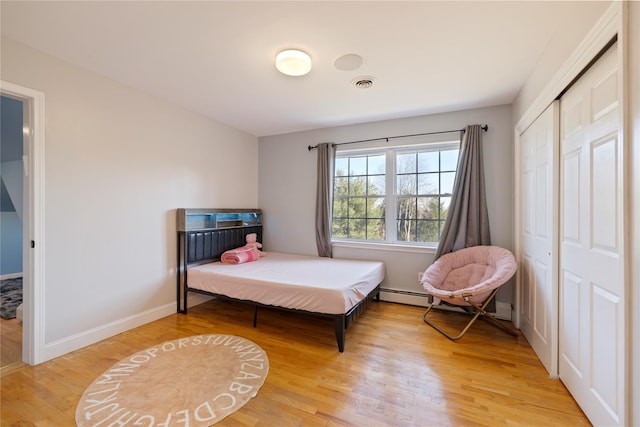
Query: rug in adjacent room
{"x": 10, "y": 297}
{"x": 194, "y": 381}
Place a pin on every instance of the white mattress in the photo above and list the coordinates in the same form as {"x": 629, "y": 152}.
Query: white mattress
{"x": 316, "y": 284}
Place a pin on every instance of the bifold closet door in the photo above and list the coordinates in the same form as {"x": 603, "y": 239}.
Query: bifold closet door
{"x": 591, "y": 278}
{"x": 539, "y": 183}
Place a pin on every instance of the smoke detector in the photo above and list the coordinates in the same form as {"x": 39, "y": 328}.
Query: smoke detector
{"x": 363, "y": 82}
{"x": 348, "y": 62}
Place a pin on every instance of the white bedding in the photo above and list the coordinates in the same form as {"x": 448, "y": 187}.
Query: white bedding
{"x": 316, "y": 284}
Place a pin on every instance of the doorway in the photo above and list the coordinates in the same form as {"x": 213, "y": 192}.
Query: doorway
{"x": 12, "y": 192}
{"x": 32, "y": 207}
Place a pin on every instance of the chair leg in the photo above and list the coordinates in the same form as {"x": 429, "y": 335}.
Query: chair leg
{"x": 479, "y": 311}
{"x": 492, "y": 320}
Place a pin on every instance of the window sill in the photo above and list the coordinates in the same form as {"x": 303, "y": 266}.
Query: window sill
{"x": 391, "y": 247}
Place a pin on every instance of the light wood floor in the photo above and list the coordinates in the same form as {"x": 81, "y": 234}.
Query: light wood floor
{"x": 10, "y": 344}
{"x": 395, "y": 371}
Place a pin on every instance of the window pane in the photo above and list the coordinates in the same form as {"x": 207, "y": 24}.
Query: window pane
{"x": 375, "y": 207}
{"x": 358, "y": 229}
{"x": 406, "y": 208}
{"x": 357, "y": 208}
{"x": 428, "y": 183}
{"x": 406, "y": 230}
{"x": 446, "y": 182}
{"x": 358, "y": 166}
{"x": 406, "y": 163}
{"x": 406, "y": 184}
{"x": 339, "y": 228}
{"x": 341, "y": 208}
{"x": 340, "y": 186}
{"x": 375, "y": 229}
{"x": 377, "y": 185}
{"x": 341, "y": 167}
{"x": 449, "y": 160}
{"x": 428, "y": 231}
{"x": 357, "y": 186}
{"x": 428, "y": 207}
{"x": 377, "y": 164}
{"x": 428, "y": 161}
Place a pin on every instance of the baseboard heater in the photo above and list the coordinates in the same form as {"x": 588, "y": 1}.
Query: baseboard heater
{"x": 422, "y": 299}
{"x": 402, "y": 296}
{"x": 403, "y": 292}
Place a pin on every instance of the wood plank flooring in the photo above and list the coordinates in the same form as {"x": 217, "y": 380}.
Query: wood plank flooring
{"x": 395, "y": 371}
{"x": 10, "y": 344}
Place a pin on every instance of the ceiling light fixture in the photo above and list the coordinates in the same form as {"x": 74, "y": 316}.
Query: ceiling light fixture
{"x": 293, "y": 62}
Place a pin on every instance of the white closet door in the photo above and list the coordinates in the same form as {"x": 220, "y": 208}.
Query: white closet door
{"x": 592, "y": 296}
{"x": 538, "y": 235}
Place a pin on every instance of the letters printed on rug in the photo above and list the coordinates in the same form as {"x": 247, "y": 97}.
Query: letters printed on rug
{"x": 194, "y": 381}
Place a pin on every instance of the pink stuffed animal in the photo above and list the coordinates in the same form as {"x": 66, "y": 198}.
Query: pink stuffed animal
{"x": 251, "y": 242}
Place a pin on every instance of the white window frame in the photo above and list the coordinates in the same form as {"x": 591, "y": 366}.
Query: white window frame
{"x": 390, "y": 184}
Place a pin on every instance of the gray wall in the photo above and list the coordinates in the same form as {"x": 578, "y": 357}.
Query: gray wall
{"x": 287, "y": 183}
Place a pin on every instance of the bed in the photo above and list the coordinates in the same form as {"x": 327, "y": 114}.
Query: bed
{"x": 327, "y": 287}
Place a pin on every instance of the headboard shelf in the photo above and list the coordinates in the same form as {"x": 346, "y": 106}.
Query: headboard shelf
{"x": 203, "y": 235}
{"x": 215, "y": 219}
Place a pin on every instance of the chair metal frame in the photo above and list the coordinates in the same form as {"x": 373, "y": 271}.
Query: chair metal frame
{"x": 479, "y": 312}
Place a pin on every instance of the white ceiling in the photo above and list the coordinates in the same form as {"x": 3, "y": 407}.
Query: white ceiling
{"x": 217, "y": 58}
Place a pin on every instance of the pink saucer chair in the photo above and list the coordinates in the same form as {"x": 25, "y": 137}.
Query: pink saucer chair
{"x": 469, "y": 278}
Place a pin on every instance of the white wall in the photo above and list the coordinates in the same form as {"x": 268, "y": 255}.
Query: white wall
{"x": 118, "y": 163}
{"x": 288, "y": 182}
{"x": 560, "y": 47}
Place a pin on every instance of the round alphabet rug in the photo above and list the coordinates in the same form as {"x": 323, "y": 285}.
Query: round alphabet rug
{"x": 193, "y": 381}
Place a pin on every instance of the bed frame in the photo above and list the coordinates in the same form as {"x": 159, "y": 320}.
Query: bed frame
{"x": 205, "y": 234}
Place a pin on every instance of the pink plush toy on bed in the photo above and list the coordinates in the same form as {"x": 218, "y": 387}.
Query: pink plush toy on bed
{"x": 251, "y": 241}
{"x": 247, "y": 253}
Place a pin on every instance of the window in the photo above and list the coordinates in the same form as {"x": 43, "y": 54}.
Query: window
{"x": 393, "y": 195}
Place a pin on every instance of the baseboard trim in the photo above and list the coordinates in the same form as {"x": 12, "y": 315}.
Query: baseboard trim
{"x": 6, "y": 370}
{"x": 10, "y": 276}
{"x": 75, "y": 342}
{"x": 67, "y": 345}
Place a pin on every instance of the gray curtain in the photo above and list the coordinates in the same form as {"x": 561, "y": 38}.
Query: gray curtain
{"x": 324, "y": 197}
{"x": 467, "y": 222}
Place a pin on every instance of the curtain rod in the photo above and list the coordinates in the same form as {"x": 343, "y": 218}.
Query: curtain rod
{"x": 484, "y": 128}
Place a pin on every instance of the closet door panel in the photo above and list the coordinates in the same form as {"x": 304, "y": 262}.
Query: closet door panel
{"x": 592, "y": 360}
{"x": 538, "y": 235}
